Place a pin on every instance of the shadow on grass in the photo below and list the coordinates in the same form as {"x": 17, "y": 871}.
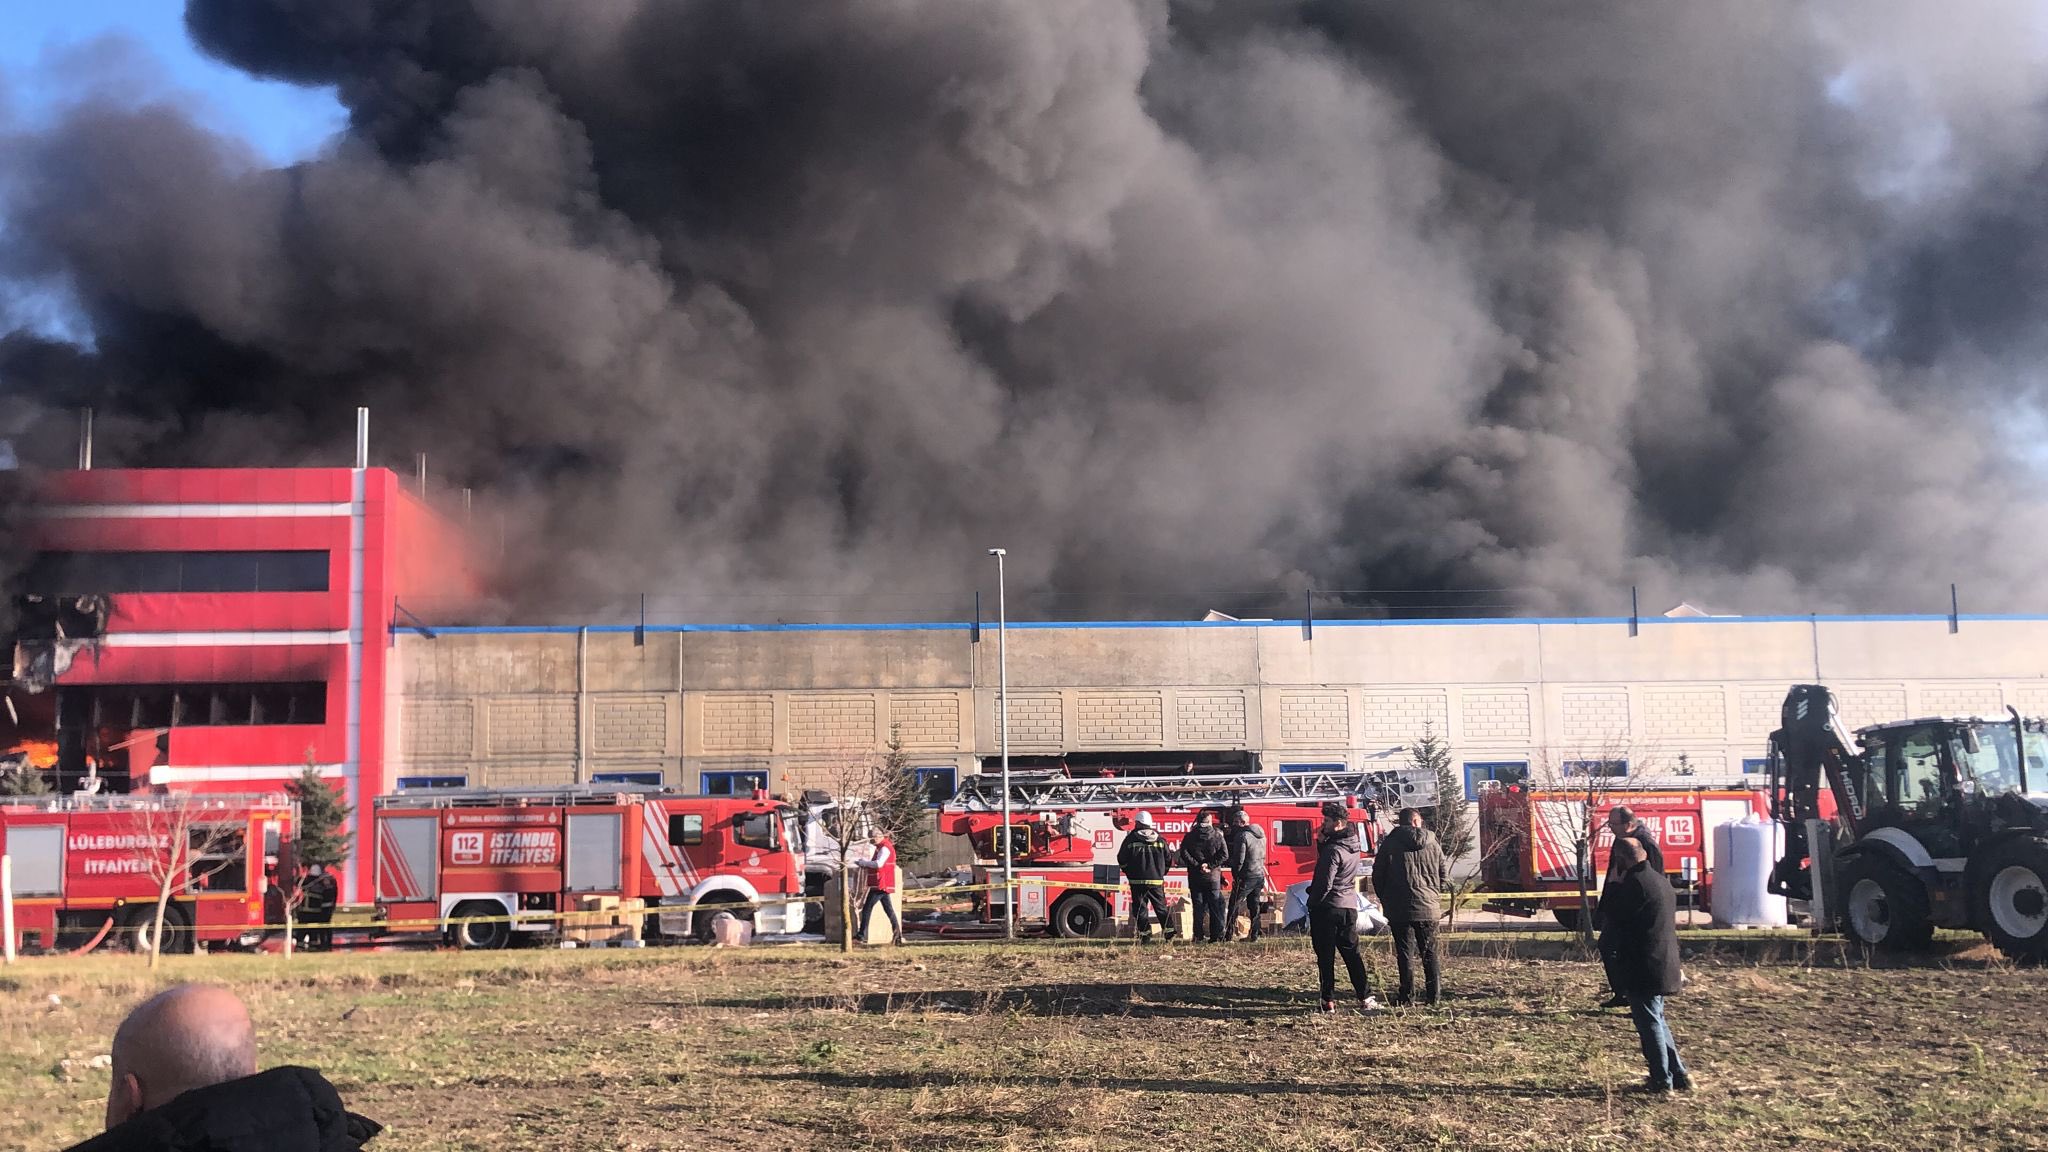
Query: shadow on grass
{"x": 1113, "y": 999}
{"x": 1415, "y": 1090}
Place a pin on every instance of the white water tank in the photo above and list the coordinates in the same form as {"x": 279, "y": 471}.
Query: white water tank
{"x": 1744, "y": 854}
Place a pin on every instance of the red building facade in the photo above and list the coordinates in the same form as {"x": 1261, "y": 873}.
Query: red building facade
{"x": 243, "y": 621}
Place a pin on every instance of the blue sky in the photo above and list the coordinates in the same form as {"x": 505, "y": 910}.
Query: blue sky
{"x": 283, "y": 121}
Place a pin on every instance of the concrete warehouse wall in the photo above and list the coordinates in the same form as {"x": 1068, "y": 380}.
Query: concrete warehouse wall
{"x": 522, "y": 707}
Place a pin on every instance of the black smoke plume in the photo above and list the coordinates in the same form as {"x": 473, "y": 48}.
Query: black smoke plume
{"x": 1733, "y": 304}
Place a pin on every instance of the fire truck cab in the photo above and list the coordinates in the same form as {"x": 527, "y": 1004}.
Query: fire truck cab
{"x": 1065, "y": 832}
{"x": 514, "y": 860}
{"x": 88, "y": 869}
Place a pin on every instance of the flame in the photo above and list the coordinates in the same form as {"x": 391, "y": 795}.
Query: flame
{"x": 42, "y": 754}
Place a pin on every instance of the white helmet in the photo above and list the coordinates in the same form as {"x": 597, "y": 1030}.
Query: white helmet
{"x": 1143, "y": 819}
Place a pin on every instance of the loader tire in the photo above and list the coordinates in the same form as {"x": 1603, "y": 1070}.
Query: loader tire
{"x": 1884, "y": 906}
{"x": 2011, "y": 900}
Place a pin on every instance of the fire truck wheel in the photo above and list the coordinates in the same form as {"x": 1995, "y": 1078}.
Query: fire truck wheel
{"x": 140, "y": 924}
{"x": 2012, "y": 899}
{"x": 1567, "y": 918}
{"x": 1884, "y": 906}
{"x": 486, "y": 934}
{"x": 708, "y": 909}
{"x": 1078, "y": 916}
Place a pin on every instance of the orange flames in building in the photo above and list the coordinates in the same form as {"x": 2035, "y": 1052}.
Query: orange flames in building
{"x": 42, "y": 754}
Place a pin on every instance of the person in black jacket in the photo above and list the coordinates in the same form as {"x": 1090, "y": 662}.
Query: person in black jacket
{"x": 1639, "y": 941}
{"x": 1204, "y": 853}
{"x": 184, "y": 1077}
{"x": 1146, "y": 859}
{"x": 1333, "y": 908}
{"x": 1623, "y": 825}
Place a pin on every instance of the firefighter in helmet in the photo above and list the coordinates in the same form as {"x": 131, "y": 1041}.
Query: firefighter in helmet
{"x": 1145, "y": 859}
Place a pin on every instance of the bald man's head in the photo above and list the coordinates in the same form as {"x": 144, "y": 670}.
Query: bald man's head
{"x": 182, "y": 1038}
{"x": 1628, "y": 853}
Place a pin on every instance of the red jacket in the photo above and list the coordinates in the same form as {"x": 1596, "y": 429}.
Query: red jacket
{"x": 882, "y": 867}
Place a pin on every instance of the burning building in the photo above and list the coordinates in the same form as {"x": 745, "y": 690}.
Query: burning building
{"x": 217, "y": 629}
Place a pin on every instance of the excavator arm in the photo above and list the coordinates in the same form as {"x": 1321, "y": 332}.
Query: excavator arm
{"x": 1810, "y": 750}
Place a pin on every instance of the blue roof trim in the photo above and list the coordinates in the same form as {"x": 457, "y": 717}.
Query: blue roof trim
{"x": 1477, "y": 622}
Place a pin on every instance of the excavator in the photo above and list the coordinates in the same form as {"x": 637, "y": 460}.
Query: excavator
{"x": 1913, "y": 825}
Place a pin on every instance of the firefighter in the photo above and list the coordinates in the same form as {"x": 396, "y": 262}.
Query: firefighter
{"x": 1145, "y": 859}
{"x": 1333, "y": 908}
{"x": 1205, "y": 853}
{"x": 881, "y": 869}
{"x": 1622, "y": 823}
{"x": 317, "y": 907}
{"x": 1247, "y": 872}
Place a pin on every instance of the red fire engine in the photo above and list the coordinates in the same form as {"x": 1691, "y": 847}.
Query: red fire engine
{"x": 526, "y": 856}
{"x": 1528, "y": 839}
{"x": 1065, "y": 832}
{"x": 89, "y": 868}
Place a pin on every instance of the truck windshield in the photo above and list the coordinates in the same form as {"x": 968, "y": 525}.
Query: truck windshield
{"x": 756, "y": 829}
{"x": 1993, "y": 765}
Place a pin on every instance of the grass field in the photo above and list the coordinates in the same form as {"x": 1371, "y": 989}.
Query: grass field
{"x": 1082, "y": 1046}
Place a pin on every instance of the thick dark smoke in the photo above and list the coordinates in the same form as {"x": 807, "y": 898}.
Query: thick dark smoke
{"x": 1734, "y": 304}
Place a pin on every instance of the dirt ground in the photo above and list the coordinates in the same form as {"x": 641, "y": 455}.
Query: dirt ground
{"x": 1082, "y": 1046}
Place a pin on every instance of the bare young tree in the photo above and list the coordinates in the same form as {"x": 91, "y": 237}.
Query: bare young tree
{"x": 1580, "y": 785}
{"x": 182, "y": 844}
{"x": 871, "y": 792}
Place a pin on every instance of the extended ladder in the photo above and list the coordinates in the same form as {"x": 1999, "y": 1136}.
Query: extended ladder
{"x": 1391, "y": 786}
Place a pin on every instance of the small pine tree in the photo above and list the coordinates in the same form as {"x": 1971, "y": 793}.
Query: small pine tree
{"x": 1450, "y": 819}
{"x": 323, "y": 816}
{"x": 899, "y": 805}
{"x": 23, "y": 780}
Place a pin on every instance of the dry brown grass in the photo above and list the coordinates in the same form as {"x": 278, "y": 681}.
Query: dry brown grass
{"x": 1074, "y": 1046}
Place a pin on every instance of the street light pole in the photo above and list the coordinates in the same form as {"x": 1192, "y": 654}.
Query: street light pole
{"x": 1003, "y": 734}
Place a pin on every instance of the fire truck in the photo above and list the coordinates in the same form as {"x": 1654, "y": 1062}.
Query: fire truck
{"x": 517, "y": 859}
{"x": 88, "y": 869}
{"x": 1065, "y": 831}
{"x": 1528, "y": 839}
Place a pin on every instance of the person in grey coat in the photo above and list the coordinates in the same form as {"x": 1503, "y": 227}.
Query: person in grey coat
{"x": 1247, "y": 871}
{"x": 1333, "y": 907}
{"x": 1409, "y": 875}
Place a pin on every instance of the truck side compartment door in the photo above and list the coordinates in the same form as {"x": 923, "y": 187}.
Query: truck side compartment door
{"x": 408, "y": 857}
{"x": 594, "y": 851}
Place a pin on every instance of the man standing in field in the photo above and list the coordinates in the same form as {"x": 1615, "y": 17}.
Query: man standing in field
{"x": 1333, "y": 907}
{"x": 1639, "y": 941}
{"x": 1623, "y": 825}
{"x": 1247, "y": 872}
{"x": 1146, "y": 859}
{"x": 1409, "y": 874}
{"x": 1205, "y": 853}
